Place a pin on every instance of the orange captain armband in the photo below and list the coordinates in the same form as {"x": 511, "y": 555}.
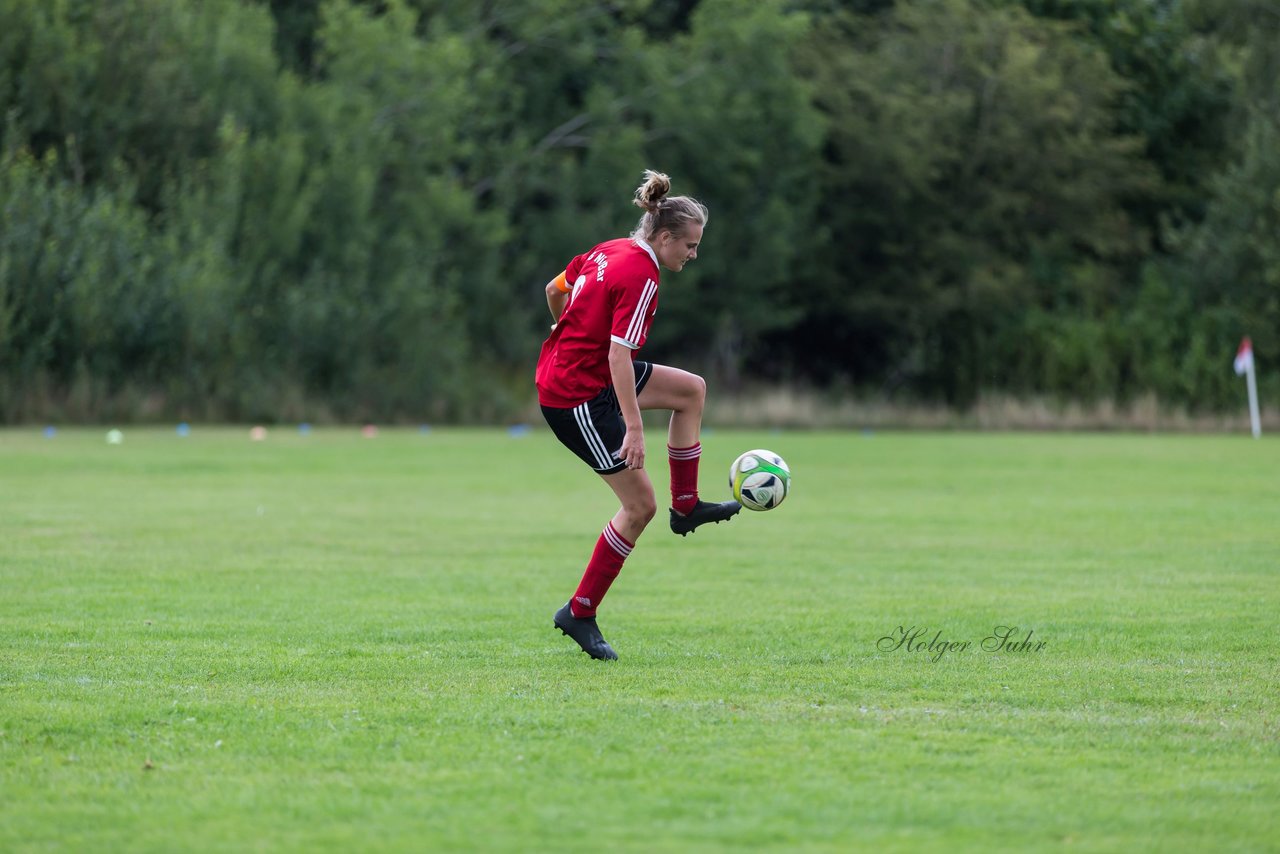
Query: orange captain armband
{"x": 562, "y": 284}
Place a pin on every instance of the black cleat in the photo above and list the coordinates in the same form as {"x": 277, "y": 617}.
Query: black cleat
{"x": 703, "y": 512}
{"x": 587, "y": 634}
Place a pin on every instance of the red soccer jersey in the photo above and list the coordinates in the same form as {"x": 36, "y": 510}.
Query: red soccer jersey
{"x": 615, "y": 293}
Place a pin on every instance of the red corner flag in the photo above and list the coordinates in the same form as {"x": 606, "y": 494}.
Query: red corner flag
{"x": 1244, "y": 357}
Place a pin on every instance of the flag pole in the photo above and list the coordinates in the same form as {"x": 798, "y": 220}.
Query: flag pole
{"x": 1254, "y": 420}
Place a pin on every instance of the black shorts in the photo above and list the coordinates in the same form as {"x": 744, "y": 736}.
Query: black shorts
{"x": 594, "y": 430}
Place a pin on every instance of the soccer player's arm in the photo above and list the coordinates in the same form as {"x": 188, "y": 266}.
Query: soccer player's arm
{"x": 633, "y": 300}
{"x": 623, "y": 373}
{"x": 558, "y": 290}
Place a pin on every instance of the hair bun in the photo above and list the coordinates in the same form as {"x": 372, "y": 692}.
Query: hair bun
{"x": 663, "y": 212}
{"x": 650, "y": 193}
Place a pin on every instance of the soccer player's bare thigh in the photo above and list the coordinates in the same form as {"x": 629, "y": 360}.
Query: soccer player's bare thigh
{"x": 672, "y": 388}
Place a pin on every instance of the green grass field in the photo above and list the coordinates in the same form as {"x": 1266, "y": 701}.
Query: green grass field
{"x": 336, "y": 643}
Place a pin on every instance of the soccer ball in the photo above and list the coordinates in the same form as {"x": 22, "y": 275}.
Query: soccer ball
{"x": 759, "y": 480}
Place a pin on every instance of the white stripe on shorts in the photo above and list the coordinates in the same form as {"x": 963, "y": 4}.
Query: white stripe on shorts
{"x": 582, "y": 414}
{"x": 648, "y": 366}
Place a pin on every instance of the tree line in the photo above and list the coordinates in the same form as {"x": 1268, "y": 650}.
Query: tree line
{"x": 315, "y": 209}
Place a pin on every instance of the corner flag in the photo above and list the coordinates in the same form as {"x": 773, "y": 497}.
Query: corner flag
{"x": 1244, "y": 365}
{"x": 1244, "y": 357}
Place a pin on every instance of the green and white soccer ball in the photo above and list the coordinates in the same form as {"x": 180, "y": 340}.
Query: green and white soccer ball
{"x": 759, "y": 480}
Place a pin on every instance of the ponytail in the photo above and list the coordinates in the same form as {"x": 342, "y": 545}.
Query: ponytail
{"x": 663, "y": 212}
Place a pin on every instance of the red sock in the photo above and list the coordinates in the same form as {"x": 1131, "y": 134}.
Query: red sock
{"x": 684, "y": 477}
{"x": 606, "y": 562}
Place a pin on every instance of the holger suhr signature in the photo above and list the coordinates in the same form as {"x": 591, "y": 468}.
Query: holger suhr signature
{"x": 918, "y": 639}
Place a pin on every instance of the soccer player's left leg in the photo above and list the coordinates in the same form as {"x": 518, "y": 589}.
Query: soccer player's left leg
{"x": 685, "y": 394}
{"x": 613, "y": 547}
{"x": 611, "y": 551}
{"x": 577, "y": 618}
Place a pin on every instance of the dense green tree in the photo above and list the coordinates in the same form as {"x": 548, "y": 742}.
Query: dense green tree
{"x": 732, "y": 119}
{"x": 1229, "y": 264}
{"x": 141, "y": 84}
{"x": 1176, "y": 97}
{"x": 975, "y": 182}
{"x": 348, "y": 208}
{"x": 86, "y": 293}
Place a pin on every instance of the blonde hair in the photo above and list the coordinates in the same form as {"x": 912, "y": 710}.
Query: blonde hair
{"x": 662, "y": 212}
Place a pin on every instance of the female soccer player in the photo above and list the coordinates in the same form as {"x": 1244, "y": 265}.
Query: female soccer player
{"x": 592, "y": 389}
